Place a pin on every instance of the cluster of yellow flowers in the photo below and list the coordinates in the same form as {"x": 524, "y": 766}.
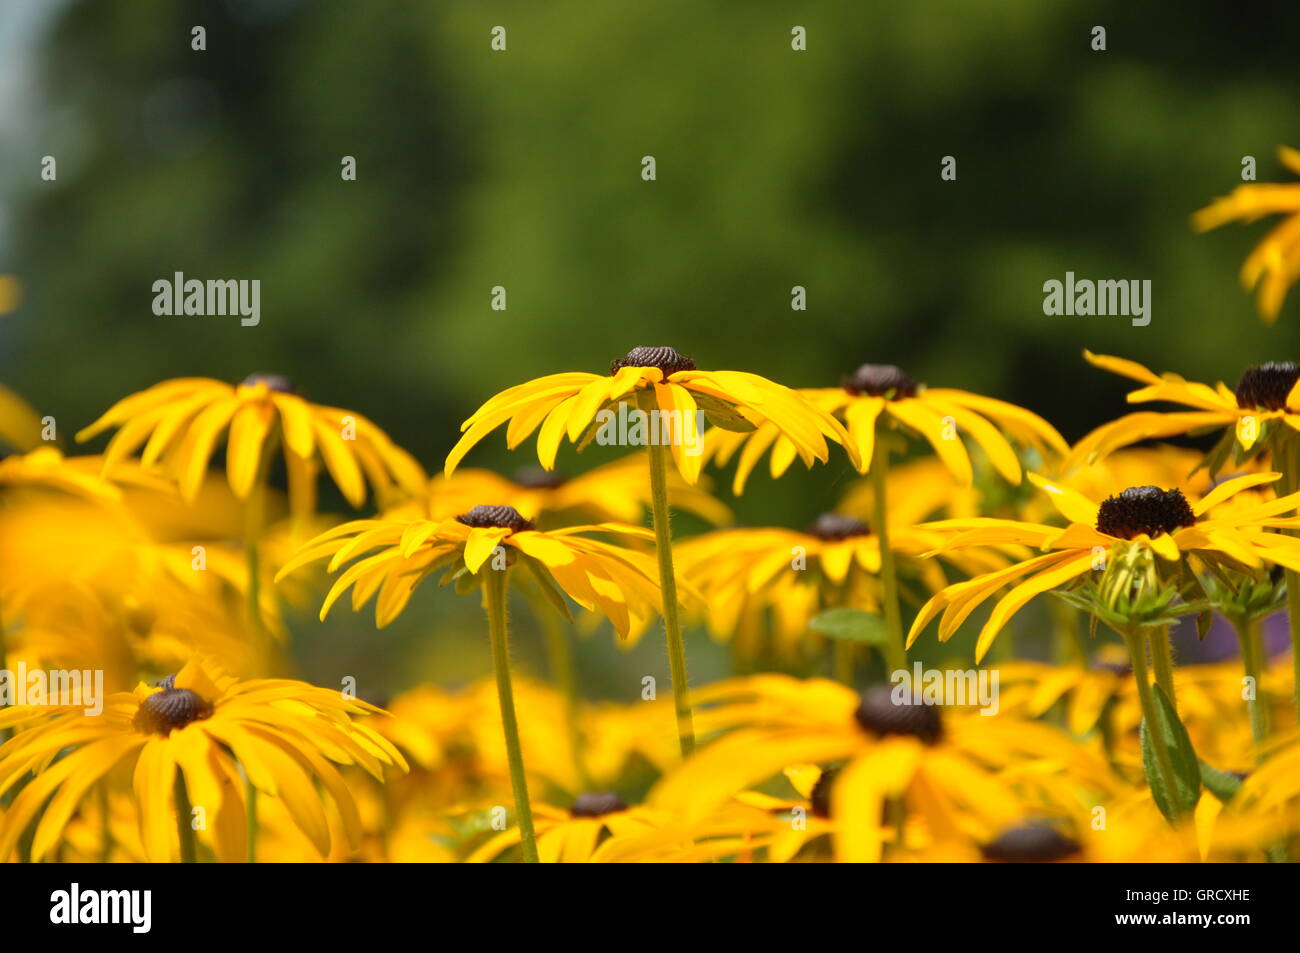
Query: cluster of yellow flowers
{"x": 136, "y": 568}
{"x": 145, "y": 712}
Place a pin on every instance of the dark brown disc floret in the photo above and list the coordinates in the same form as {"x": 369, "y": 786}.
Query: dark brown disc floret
{"x": 667, "y": 359}
{"x": 496, "y": 517}
{"x": 170, "y": 708}
{"x": 880, "y": 380}
{"x": 1267, "y": 386}
{"x": 881, "y": 714}
{"x": 1144, "y": 509}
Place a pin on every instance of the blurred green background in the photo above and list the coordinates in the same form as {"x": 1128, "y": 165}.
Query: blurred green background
{"x": 522, "y": 169}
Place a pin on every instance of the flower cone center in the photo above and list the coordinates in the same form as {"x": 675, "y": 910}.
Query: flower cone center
{"x": 1144, "y": 509}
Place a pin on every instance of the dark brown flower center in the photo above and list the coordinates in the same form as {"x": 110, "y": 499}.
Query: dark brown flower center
{"x": 1034, "y": 842}
{"x": 1266, "y": 387}
{"x": 880, "y": 380}
{"x": 819, "y": 798}
{"x": 836, "y": 526}
{"x": 170, "y": 708}
{"x": 275, "y": 382}
{"x": 597, "y": 804}
{"x": 881, "y": 714}
{"x": 496, "y": 517}
{"x": 1144, "y": 509}
{"x": 665, "y": 358}
{"x": 535, "y": 478}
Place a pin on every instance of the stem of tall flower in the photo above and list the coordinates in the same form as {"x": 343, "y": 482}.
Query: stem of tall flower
{"x": 1248, "y": 637}
{"x": 494, "y": 591}
{"x": 1163, "y": 656}
{"x": 1137, "y": 650}
{"x": 895, "y": 654}
{"x": 250, "y": 810}
{"x": 668, "y": 585}
{"x": 184, "y": 819}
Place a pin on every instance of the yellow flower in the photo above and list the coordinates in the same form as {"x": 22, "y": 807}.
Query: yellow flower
{"x": 884, "y": 393}
{"x": 571, "y": 836}
{"x": 565, "y": 405}
{"x": 944, "y": 764}
{"x": 178, "y": 423}
{"x": 620, "y": 582}
{"x": 1274, "y": 265}
{"x": 1264, "y": 394}
{"x": 282, "y": 734}
{"x": 47, "y": 467}
{"x": 1156, "y": 521}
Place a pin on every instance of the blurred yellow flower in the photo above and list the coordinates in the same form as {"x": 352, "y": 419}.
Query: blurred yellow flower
{"x": 1274, "y": 265}
{"x": 178, "y": 423}
{"x": 188, "y": 739}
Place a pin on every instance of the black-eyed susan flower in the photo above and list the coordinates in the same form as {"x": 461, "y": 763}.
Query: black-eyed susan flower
{"x": 877, "y": 395}
{"x": 571, "y": 836}
{"x": 564, "y": 406}
{"x": 942, "y": 764}
{"x": 1274, "y": 264}
{"x": 599, "y": 576}
{"x": 1136, "y": 546}
{"x": 176, "y": 425}
{"x": 879, "y": 398}
{"x": 1250, "y": 415}
{"x": 188, "y": 739}
{"x": 671, "y": 397}
{"x": 1119, "y": 531}
{"x": 47, "y": 467}
{"x": 478, "y": 549}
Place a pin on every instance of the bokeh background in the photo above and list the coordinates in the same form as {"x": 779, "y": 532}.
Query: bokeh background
{"x": 477, "y": 168}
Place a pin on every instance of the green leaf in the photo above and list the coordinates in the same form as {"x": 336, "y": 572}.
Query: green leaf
{"x": 722, "y": 415}
{"x": 851, "y": 625}
{"x": 1221, "y": 784}
{"x": 1174, "y": 797}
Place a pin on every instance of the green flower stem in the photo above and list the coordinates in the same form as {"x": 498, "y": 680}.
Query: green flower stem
{"x": 668, "y": 585}
{"x": 1137, "y": 651}
{"x": 895, "y": 654}
{"x": 184, "y": 819}
{"x": 559, "y": 659}
{"x": 250, "y": 802}
{"x": 1163, "y": 656}
{"x": 1252, "y": 653}
{"x": 494, "y": 591}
